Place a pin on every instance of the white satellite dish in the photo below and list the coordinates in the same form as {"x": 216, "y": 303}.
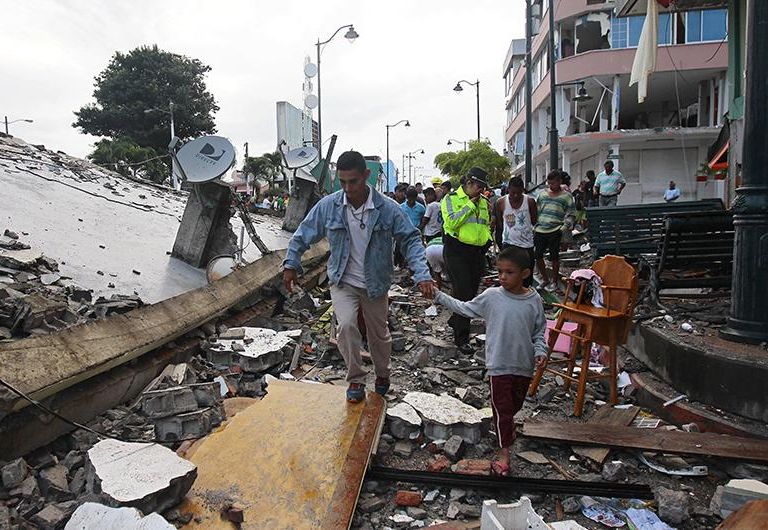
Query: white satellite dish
{"x": 206, "y": 158}
{"x": 310, "y": 70}
{"x": 296, "y": 158}
{"x": 310, "y": 101}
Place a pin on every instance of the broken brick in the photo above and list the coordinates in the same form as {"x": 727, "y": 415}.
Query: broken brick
{"x": 471, "y": 466}
{"x": 438, "y": 464}
{"x": 408, "y": 498}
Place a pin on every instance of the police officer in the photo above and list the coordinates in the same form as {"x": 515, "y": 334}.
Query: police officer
{"x": 467, "y": 236}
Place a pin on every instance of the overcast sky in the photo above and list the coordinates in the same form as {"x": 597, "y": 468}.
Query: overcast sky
{"x": 404, "y": 65}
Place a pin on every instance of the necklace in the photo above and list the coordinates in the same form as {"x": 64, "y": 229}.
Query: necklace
{"x": 360, "y": 219}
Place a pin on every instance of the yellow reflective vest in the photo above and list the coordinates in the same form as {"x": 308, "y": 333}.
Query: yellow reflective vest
{"x": 464, "y": 220}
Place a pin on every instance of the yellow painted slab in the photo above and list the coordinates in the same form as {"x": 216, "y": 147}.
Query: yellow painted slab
{"x": 295, "y": 459}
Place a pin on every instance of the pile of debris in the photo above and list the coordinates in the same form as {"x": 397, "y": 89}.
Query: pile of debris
{"x": 36, "y": 299}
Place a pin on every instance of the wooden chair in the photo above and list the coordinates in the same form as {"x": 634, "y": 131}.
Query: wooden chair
{"x": 608, "y": 326}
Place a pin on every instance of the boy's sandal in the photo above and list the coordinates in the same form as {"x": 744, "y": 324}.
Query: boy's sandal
{"x": 500, "y": 469}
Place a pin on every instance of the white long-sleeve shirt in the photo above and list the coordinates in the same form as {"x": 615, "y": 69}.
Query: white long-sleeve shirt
{"x": 514, "y": 328}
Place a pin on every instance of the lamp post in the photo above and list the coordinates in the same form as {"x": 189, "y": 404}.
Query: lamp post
{"x": 451, "y": 140}
{"x": 27, "y": 120}
{"x": 476, "y": 84}
{"x": 407, "y": 124}
{"x": 554, "y": 137}
{"x": 350, "y": 35}
{"x": 411, "y": 156}
{"x": 528, "y": 94}
{"x": 174, "y": 180}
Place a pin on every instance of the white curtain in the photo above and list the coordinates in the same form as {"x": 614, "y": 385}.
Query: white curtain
{"x": 645, "y": 56}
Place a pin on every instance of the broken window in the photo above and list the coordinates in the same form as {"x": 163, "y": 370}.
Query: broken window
{"x": 593, "y": 32}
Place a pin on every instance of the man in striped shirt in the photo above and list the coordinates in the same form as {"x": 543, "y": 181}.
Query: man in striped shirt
{"x": 556, "y": 211}
{"x": 609, "y": 185}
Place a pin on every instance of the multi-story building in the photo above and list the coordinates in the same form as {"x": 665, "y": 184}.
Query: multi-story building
{"x": 666, "y": 137}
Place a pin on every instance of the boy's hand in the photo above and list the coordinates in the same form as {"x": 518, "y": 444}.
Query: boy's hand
{"x": 427, "y": 289}
{"x": 539, "y": 361}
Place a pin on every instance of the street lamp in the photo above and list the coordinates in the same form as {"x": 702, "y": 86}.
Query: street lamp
{"x": 350, "y": 35}
{"x": 174, "y": 179}
{"x": 407, "y": 124}
{"x": 27, "y": 120}
{"x": 410, "y": 157}
{"x": 476, "y": 84}
{"x": 451, "y": 140}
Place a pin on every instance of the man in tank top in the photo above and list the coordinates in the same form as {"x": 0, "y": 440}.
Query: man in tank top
{"x": 514, "y": 216}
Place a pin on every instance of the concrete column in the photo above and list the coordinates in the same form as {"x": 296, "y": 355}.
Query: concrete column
{"x": 615, "y": 154}
{"x": 566, "y": 164}
{"x": 616, "y": 102}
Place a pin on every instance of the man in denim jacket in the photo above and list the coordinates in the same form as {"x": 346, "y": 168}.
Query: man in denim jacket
{"x": 361, "y": 225}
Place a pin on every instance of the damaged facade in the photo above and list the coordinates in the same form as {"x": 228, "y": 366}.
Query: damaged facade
{"x": 667, "y": 137}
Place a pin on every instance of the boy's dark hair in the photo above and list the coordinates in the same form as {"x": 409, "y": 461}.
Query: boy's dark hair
{"x": 351, "y": 160}
{"x": 411, "y": 193}
{"x": 401, "y": 187}
{"x": 590, "y": 173}
{"x": 555, "y": 174}
{"x": 419, "y": 185}
{"x": 429, "y": 191}
{"x": 517, "y": 256}
{"x": 516, "y": 182}
{"x": 447, "y": 185}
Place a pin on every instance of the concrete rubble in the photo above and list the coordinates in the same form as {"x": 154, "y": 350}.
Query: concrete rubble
{"x": 91, "y": 515}
{"x": 148, "y": 477}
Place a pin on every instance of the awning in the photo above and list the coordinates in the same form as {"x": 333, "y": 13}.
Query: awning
{"x": 720, "y": 160}
{"x": 717, "y": 154}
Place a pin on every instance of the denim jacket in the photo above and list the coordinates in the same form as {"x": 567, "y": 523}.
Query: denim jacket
{"x": 386, "y": 223}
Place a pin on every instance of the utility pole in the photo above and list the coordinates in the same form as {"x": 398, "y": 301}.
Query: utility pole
{"x": 748, "y": 319}
{"x": 528, "y": 95}
{"x": 554, "y": 139}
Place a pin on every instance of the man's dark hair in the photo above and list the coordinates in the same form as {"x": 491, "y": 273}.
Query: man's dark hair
{"x": 555, "y": 174}
{"x": 516, "y": 182}
{"x": 401, "y": 187}
{"x": 419, "y": 185}
{"x": 515, "y": 255}
{"x": 590, "y": 173}
{"x": 411, "y": 193}
{"x": 608, "y": 162}
{"x": 351, "y": 160}
{"x": 429, "y": 191}
{"x": 447, "y": 185}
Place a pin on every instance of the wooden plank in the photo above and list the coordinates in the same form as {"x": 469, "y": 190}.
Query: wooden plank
{"x": 650, "y": 439}
{"x": 44, "y": 365}
{"x": 606, "y": 415}
{"x": 295, "y": 459}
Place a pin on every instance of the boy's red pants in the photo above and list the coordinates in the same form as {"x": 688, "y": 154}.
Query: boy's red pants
{"x": 507, "y": 398}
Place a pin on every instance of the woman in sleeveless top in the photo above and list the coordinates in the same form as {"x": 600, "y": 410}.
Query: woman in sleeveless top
{"x": 515, "y": 216}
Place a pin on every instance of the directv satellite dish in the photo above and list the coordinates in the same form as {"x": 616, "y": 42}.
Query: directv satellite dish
{"x": 206, "y": 158}
{"x": 296, "y": 158}
{"x": 310, "y": 101}
{"x": 310, "y": 70}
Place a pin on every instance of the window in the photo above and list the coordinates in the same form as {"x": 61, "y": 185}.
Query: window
{"x": 707, "y": 25}
{"x": 693, "y": 26}
{"x": 665, "y": 29}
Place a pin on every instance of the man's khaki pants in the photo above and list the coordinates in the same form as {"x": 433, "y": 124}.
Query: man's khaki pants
{"x": 346, "y": 302}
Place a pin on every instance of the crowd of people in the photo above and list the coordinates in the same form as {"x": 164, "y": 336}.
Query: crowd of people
{"x": 269, "y": 201}
{"x": 441, "y": 233}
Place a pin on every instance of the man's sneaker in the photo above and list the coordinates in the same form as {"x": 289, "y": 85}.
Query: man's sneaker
{"x": 381, "y": 386}
{"x": 356, "y": 392}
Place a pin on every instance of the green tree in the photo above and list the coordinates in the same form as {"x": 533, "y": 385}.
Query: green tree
{"x": 455, "y": 164}
{"x": 128, "y": 158}
{"x": 145, "y": 79}
{"x": 267, "y": 166}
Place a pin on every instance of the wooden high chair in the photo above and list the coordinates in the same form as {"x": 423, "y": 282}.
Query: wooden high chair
{"x": 608, "y": 326}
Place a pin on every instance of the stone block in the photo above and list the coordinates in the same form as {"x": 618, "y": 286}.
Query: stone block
{"x": 736, "y": 493}
{"x": 408, "y": 498}
{"x": 372, "y": 504}
{"x": 28, "y": 488}
{"x": 454, "y": 447}
{"x": 53, "y": 483}
{"x": 416, "y": 513}
{"x": 50, "y": 517}
{"x": 403, "y": 449}
{"x": 145, "y": 476}
{"x": 614, "y": 471}
{"x": 206, "y": 394}
{"x": 14, "y": 473}
{"x": 444, "y": 416}
{"x": 398, "y": 341}
{"x": 439, "y": 349}
{"x": 94, "y": 515}
{"x": 673, "y": 505}
{"x": 168, "y": 402}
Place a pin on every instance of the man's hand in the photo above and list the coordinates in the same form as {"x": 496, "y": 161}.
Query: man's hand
{"x": 289, "y": 277}
{"x": 427, "y": 289}
{"x": 540, "y": 360}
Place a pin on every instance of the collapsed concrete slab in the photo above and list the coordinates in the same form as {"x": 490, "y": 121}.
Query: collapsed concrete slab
{"x": 188, "y": 425}
{"x": 94, "y": 515}
{"x": 260, "y": 350}
{"x": 404, "y": 422}
{"x": 445, "y": 416}
{"x": 146, "y": 476}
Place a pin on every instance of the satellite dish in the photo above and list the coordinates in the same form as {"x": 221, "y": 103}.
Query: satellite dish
{"x": 206, "y": 158}
{"x": 310, "y": 70}
{"x": 296, "y": 158}
{"x": 219, "y": 267}
{"x": 310, "y": 101}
